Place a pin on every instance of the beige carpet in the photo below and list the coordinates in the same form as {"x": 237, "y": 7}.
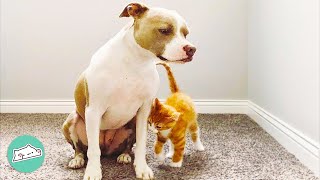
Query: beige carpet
{"x": 236, "y": 148}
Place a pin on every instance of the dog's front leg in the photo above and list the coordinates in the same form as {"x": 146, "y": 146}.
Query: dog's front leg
{"x": 93, "y": 120}
{"x": 142, "y": 169}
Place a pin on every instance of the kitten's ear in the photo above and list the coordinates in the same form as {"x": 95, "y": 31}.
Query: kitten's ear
{"x": 157, "y": 102}
{"x": 176, "y": 116}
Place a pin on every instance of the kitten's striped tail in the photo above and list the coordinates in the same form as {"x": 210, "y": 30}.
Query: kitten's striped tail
{"x": 173, "y": 84}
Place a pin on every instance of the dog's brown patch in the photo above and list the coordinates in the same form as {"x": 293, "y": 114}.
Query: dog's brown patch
{"x": 81, "y": 96}
{"x": 147, "y": 32}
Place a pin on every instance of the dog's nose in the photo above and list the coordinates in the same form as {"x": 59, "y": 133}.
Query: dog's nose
{"x": 190, "y": 50}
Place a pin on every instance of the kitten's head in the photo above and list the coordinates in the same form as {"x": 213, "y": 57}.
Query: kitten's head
{"x": 162, "y": 117}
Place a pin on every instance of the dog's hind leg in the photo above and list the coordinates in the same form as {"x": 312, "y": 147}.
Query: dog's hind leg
{"x": 69, "y": 129}
{"x": 125, "y": 157}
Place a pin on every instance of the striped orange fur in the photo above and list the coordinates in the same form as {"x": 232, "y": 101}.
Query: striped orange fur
{"x": 172, "y": 120}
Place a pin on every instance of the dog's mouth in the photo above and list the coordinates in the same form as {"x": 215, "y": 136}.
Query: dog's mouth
{"x": 188, "y": 59}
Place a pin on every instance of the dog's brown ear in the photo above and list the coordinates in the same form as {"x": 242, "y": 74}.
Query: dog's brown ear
{"x": 134, "y": 9}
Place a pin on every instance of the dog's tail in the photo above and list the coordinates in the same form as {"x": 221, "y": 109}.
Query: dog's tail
{"x": 173, "y": 84}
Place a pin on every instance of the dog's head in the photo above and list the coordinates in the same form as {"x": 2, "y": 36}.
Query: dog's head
{"x": 161, "y": 31}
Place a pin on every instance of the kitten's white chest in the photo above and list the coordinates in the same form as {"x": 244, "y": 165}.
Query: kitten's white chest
{"x": 165, "y": 133}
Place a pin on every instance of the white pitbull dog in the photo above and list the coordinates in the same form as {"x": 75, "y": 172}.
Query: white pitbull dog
{"x": 121, "y": 81}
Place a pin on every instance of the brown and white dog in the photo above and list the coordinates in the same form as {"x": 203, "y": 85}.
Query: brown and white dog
{"x": 114, "y": 94}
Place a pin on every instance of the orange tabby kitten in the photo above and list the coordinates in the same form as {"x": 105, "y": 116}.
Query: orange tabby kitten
{"x": 171, "y": 120}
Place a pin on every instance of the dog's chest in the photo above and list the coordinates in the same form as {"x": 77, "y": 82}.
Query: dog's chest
{"x": 130, "y": 91}
{"x": 135, "y": 86}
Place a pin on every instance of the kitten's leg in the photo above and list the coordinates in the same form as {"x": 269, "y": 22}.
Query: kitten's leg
{"x": 158, "y": 148}
{"x": 171, "y": 150}
{"x": 179, "y": 144}
{"x": 195, "y": 136}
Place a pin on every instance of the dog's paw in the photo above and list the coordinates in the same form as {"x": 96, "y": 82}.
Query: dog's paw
{"x": 77, "y": 162}
{"x": 124, "y": 158}
{"x": 143, "y": 171}
{"x": 176, "y": 164}
{"x": 160, "y": 157}
{"x": 93, "y": 172}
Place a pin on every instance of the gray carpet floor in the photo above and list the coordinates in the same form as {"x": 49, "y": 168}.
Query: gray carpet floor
{"x": 236, "y": 148}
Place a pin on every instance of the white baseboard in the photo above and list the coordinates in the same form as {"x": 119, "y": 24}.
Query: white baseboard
{"x": 221, "y": 106}
{"x": 305, "y": 149}
{"x": 66, "y": 106}
{"x": 36, "y": 106}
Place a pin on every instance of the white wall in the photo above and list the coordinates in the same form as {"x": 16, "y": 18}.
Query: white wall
{"x": 283, "y": 73}
{"x": 46, "y": 44}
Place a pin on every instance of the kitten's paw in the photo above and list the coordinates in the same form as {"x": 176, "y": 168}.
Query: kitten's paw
{"x": 199, "y": 146}
{"x": 161, "y": 157}
{"x": 124, "y": 158}
{"x": 176, "y": 164}
{"x": 169, "y": 154}
{"x": 77, "y": 162}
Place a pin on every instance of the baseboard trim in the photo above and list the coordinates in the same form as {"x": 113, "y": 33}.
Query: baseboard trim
{"x": 66, "y": 106}
{"x": 36, "y": 106}
{"x": 221, "y": 106}
{"x": 305, "y": 149}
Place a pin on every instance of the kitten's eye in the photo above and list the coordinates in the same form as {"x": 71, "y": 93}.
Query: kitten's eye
{"x": 158, "y": 127}
{"x": 165, "y": 31}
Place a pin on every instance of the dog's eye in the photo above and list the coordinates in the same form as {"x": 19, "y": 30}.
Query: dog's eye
{"x": 165, "y": 31}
